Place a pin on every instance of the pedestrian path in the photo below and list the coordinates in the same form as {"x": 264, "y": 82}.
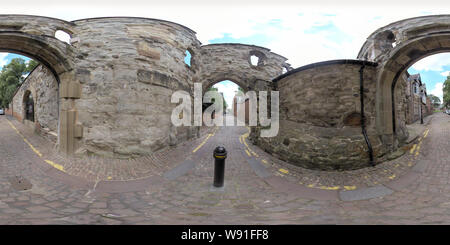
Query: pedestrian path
{"x": 259, "y": 189}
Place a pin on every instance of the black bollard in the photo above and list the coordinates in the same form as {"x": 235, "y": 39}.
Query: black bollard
{"x": 220, "y": 154}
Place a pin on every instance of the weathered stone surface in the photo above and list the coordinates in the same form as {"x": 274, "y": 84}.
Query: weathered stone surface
{"x": 44, "y": 89}
{"x": 395, "y": 47}
{"x": 117, "y": 75}
{"x": 315, "y": 105}
{"x": 218, "y": 62}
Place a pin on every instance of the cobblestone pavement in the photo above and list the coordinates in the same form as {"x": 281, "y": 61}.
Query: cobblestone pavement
{"x": 39, "y": 187}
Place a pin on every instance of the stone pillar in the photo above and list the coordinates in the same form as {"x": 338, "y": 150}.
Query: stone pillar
{"x": 69, "y": 129}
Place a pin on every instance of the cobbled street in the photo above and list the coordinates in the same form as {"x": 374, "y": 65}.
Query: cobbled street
{"x": 175, "y": 186}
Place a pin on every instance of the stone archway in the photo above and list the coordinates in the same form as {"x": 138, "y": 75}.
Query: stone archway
{"x": 220, "y": 79}
{"x": 403, "y": 43}
{"x": 34, "y": 36}
{"x": 233, "y": 61}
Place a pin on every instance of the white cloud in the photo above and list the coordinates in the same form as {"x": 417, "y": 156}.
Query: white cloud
{"x": 433, "y": 63}
{"x": 3, "y": 59}
{"x": 437, "y": 91}
{"x": 445, "y": 73}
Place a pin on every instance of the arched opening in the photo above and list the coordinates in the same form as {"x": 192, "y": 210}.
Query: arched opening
{"x": 390, "y": 116}
{"x": 40, "y": 44}
{"x": 256, "y": 58}
{"x": 30, "y": 91}
{"x": 63, "y": 36}
{"x": 231, "y": 94}
{"x": 425, "y": 86}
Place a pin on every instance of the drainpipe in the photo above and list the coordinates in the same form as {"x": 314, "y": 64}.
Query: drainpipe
{"x": 420, "y": 104}
{"x": 363, "y": 117}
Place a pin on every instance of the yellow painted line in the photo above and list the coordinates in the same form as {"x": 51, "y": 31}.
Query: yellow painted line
{"x": 284, "y": 171}
{"x": 32, "y": 148}
{"x": 248, "y": 153}
{"x": 55, "y": 165}
{"x": 426, "y": 133}
{"x": 392, "y": 176}
{"x": 418, "y": 149}
{"x": 331, "y": 188}
{"x": 244, "y": 136}
{"x": 243, "y": 139}
{"x": 413, "y": 148}
{"x": 204, "y": 141}
{"x": 240, "y": 139}
{"x": 349, "y": 187}
{"x": 14, "y": 128}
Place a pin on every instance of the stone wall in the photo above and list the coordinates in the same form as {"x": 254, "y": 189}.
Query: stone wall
{"x": 320, "y": 126}
{"x": 401, "y": 107}
{"x": 117, "y": 75}
{"x": 129, "y": 68}
{"x": 230, "y": 61}
{"x": 44, "y": 89}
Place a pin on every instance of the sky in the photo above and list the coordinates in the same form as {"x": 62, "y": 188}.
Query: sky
{"x": 229, "y": 89}
{"x": 433, "y": 71}
{"x": 302, "y": 31}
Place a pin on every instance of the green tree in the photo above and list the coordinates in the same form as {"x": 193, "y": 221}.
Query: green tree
{"x": 435, "y": 101}
{"x": 446, "y": 91}
{"x": 225, "y": 105}
{"x": 11, "y": 77}
{"x": 31, "y": 65}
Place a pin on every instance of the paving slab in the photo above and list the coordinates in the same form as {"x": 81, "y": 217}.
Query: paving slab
{"x": 365, "y": 193}
{"x": 179, "y": 170}
{"x": 258, "y": 168}
{"x": 404, "y": 181}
